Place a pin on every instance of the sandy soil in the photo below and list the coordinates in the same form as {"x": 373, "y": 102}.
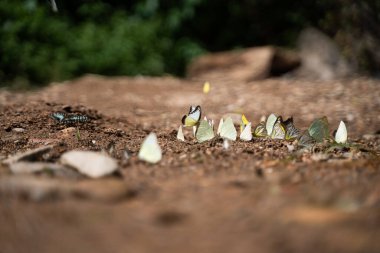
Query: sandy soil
{"x": 258, "y": 196}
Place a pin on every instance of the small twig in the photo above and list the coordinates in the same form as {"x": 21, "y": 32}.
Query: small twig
{"x": 78, "y": 134}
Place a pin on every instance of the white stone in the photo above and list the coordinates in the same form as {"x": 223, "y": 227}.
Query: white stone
{"x": 91, "y": 164}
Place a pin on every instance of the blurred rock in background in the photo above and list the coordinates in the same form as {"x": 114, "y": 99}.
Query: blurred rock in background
{"x": 244, "y": 65}
{"x": 321, "y": 58}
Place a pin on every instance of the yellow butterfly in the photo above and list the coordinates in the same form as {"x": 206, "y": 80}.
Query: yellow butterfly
{"x": 243, "y": 122}
{"x": 193, "y": 117}
{"x": 206, "y": 87}
{"x": 278, "y": 131}
{"x": 245, "y": 129}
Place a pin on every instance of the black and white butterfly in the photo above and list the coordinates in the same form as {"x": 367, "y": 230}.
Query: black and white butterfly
{"x": 64, "y": 118}
{"x": 193, "y": 117}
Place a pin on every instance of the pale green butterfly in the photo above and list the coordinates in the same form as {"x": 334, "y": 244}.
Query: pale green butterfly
{"x": 204, "y": 131}
{"x": 278, "y": 131}
{"x": 150, "y": 151}
{"x": 270, "y": 123}
{"x": 228, "y": 130}
{"x": 319, "y": 129}
{"x": 305, "y": 140}
{"x": 341, "y": 133}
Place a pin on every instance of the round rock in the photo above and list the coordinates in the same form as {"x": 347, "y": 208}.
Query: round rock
{"x": 91, "y": 164}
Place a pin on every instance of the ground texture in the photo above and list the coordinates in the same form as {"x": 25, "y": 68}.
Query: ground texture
{"x": 258, "y": 196}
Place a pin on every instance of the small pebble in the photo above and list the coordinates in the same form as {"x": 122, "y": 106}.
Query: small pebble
{"x": 18, "y": 130}
{"x": 91, "y": 164}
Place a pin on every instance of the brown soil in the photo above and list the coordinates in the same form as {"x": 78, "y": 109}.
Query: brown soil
{"x": 255, "y": 197}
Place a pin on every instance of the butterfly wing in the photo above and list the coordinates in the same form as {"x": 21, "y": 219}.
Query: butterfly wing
{"x": 270, "y": 123}
{"x": 278, "y": 131}
{"x": 150, "y": 151}
{"x": 305, "y": 140}
{"x": 244, "y": 122}
{"x": 204, "y": 132}
{"x": 246, "y": 134}
{"x": 58, "y": 116}
{"x": 291, "y": 131}
{"x": 180, "y": 135}
{"x": 260, "y": 130}
{"x": 341, "y": 133}
{"x": 220, "y": 126}
{"x": 206, "y": 87}
{"x": 319, "y": 129}
{"x": 228, "y": 130}
{"x": 193, "y": 116}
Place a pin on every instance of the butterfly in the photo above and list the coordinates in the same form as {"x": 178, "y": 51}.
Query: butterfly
{"x": 246, "y": 134}
{"x": 58, "y": 116}
{"x": 270, "y": 123}
{"x": 243, "y": 122}
{"x": 260, "y": 130}
{"x": 193, "y": 117}
{"x": 150, "y": 151}
{"x": 68, "y": 119}
{"x": 220, "y": 126}
{"x": 228, "y": 130}
{"x": 305, "y": 140}
{"x": 180, "y": 135}
{"x": 319, "y": 129}
{"x": 291, "y": 131}
{"x": 341, "y": 133}
{"x": 278, "y": 131}
{"x": 204, "y": 131}
{"x": 210, "y": 122}
{"x": 206, "y": 87}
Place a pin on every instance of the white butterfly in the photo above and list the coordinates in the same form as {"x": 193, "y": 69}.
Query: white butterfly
{"x": 220, "y": 126}
{"x": 228, "y": 130}
{"x": 150, "y": 151}
{"x": 246, "y": 134}
{"x": 341, "y": 133}
{"x": 270, "y": 123}
{"x": 180, "y": 135}
{"x": 204, "y": 132}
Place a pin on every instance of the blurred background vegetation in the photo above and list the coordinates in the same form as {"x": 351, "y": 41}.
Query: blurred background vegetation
{"x": 156, "y": 37}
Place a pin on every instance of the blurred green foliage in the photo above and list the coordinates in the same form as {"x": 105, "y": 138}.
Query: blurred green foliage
{"x": 153, "y": 37}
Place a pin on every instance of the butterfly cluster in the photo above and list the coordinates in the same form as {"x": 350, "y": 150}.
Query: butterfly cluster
{"x": 274, "y": 127}
{"x": 66, "y": 119}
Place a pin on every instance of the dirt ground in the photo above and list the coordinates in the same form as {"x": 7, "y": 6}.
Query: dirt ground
{"x": 258, "y": 196}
